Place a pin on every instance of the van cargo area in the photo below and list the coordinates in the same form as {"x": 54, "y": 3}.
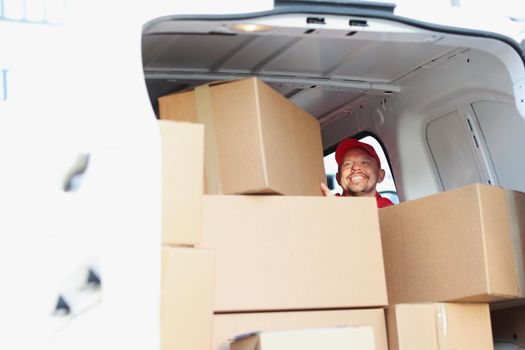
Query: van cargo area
{"x": 447, "y": 105}
{"x": 444, "y": 101}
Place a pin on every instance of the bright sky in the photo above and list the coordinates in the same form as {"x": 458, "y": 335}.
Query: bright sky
{"x": 509, "y": 8}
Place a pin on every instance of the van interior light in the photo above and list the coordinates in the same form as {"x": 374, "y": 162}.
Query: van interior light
{"x": 250, "y": 28}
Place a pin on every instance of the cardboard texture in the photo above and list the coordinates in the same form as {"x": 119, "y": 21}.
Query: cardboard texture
{"x": 186, "y": 298}
{"x": 256, "y": 140}
{"x": 309, "y": 339}
{"x": 286, "y": 253}
{"x": 439, "y": 326}
{"x": 227, "y": 326}
{"x": 452, "y": 246}
{"x": 508, "y": 325}
{"x": 182, "y": 182}
{"x": 516, "y": 205}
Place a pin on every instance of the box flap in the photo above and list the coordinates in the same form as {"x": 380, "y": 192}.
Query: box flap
{"x": 464, "y": 326}
{"x": 500, "y": 265}
{"x": 408, "y": 318}
{"x": 440, "y": 326}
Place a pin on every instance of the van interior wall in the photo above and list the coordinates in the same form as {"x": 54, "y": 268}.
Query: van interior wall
{"x": 400, "y": 120}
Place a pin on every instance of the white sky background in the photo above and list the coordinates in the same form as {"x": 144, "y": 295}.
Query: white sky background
{"x": 509, "y": 8}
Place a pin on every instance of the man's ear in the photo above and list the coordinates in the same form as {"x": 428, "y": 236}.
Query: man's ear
{"x": 381, "y": 175}
{"x": 338, "y": 178}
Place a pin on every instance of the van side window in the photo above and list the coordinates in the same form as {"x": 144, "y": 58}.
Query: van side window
{"x": 387, "y": 188}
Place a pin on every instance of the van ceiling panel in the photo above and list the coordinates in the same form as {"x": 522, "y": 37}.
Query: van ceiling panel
{"x": 361, "y": 60}
{"x": 197, "y": 52}
{"x": 261, "y": 48}
{"x": 312, "y": 56}
{"x": 384, "y": 61}
{"x": 322, "y": 70}
{"x": 318, "y": 101}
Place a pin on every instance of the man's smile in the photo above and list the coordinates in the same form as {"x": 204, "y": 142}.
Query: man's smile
{"x": 357, "y": 178}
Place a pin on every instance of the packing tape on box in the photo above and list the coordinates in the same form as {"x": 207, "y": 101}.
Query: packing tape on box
{"x": 211, "y": 154}
{"x": 441, "y": 326}
{"x": 517, "y": 225}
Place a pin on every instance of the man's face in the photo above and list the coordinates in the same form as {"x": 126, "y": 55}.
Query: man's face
{"x": 359, "y": 173}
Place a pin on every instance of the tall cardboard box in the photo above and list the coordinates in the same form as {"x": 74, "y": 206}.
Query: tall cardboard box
{"x": 186, "y": 306}
{"x": 436, "y": 326}
{"x": 228, "y": 326}
{"x": 182, "y": 182}
{"x": 256, "y": 141}
{"x": 289, "y": 253}
{"x": 341, "y": 338}
{"x": 452, "y": 246}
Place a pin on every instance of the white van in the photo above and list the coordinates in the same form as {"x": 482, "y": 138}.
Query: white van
{"x": 444, "y": 98}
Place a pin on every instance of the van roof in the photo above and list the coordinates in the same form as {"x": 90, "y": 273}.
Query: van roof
{"x": 327, "y": 58}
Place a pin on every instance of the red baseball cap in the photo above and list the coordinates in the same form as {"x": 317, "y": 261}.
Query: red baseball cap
{"x": 350, "y": 143}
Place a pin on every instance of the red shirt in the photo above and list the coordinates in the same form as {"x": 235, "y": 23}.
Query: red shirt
{"x": 382, "y": 202}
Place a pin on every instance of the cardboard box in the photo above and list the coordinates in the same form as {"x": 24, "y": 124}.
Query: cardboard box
{"x": 516, "y": 205}
{"x": 186, "y": 298}
{"x": 256, "y": 141}
{"x": 308, "y": 339}
{"x": 439, "y": 327}
{"x": 508, "y": 325}
{"x": 452, "y": 246}
{"x": 289, "y": 253}
{"x": 227, "y": 326}
{"x": 182, "y": 182}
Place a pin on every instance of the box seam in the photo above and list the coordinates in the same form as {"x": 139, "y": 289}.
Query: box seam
{"x": 483, "y": 240}
{"x": 259, "y": 131}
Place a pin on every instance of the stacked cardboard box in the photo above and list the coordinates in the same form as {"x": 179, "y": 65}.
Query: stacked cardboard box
{"x": 228, "y": 326}
{"x": 452, "y": 246}
{"x": 187, "y": 274}
{"x": 182, "y": 172}
{"x": 281, "y": 262}
{"x": 278, "y": 256}
{"x": 235, "y": 264}
{"x": 256, "y": 141}
{"x": 342, "y": 338}
{"x": 439, "y": 326}
{"x": 456, "y": 246}
{"x": 508, "y": 318}
{"x": 294, "y": 253}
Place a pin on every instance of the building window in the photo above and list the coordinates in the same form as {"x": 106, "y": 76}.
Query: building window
{"x": 33, "y": 11}
{"x": 387, "y": 188}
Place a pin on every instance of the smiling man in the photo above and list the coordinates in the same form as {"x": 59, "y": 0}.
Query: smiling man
{"x": 359, "y": 171}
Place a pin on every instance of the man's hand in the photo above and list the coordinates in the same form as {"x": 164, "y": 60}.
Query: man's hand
{"x": 326, "y": 191}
